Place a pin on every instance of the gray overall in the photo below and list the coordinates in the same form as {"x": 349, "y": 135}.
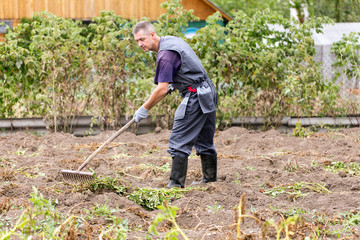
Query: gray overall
{"x": 195, "y": 118}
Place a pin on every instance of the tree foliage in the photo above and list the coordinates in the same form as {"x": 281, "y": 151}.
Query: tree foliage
{"x": 250, "y": 7}
{"x": 338, "y": 10}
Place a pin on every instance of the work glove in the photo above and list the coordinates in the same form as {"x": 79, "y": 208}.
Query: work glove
{"x": 140, "y": 114}
{"x": 170, "y": 89}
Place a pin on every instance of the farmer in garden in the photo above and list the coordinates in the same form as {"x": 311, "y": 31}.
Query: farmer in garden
{"x": 195, "y": 118}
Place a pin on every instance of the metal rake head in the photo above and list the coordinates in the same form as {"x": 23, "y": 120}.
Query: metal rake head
{"x": 77, "y": 176}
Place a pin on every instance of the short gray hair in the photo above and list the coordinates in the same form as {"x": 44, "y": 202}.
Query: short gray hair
{"x": 147, "y": 27}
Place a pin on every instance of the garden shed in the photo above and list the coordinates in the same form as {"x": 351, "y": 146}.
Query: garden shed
{"x": 12, "y": 11}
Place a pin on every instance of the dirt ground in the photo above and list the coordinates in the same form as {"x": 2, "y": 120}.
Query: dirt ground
{"x": 250, "y": 163}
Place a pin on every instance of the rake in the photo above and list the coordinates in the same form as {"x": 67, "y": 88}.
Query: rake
{"x": 80, "y": 176}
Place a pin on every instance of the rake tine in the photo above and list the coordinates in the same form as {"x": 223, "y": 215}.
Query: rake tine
{"x": 77, "y": 176}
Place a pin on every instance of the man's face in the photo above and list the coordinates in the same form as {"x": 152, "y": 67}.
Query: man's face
{"x": 145, "y": 40}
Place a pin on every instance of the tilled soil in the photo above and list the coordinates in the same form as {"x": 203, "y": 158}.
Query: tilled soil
{"x": 250, "y": 163}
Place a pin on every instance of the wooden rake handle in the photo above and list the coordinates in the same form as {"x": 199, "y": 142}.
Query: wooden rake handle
{"x": 115, "y": 135}
{"x": 171, "y": 88}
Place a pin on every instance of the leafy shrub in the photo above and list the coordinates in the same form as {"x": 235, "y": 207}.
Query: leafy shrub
{"x": 117, "y": 64}
{"x": 263, "y": 70}
{"x": 58, "y": 68}
{"x": 347, "y": 68}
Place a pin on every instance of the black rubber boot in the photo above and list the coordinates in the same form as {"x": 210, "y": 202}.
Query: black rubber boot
{"x": 209, "y": 168}
{"x": 178, "y": 172}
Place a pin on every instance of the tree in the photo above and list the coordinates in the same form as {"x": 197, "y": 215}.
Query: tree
{"x": 338, "y": 10}
{"x": 250, "y": 7}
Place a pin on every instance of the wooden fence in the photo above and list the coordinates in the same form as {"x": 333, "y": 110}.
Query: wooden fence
{"x": 15, "y": 10}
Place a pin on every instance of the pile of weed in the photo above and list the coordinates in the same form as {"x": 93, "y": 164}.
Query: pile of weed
{"x": 150, "y": 198}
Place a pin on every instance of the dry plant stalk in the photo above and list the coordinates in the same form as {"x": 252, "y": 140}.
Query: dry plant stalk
{"x": 241, "y": 212}
{"x": 7, "y": 174}
{"x": 5, "y": 205}
{"x": 62, "y": 225}
{"x": 240, "y": 215}
{"x": 71, "y": 232}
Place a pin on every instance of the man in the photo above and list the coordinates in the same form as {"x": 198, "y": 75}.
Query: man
{"x": 195, "y": 118}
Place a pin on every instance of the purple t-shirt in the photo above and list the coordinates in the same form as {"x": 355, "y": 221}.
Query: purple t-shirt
{"x": 167, "y": 63}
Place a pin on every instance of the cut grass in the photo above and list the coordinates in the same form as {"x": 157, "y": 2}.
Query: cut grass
{"x": 150, "y": 198}
{"x": 297, "y": 190}
{"x": 352, "y": 168}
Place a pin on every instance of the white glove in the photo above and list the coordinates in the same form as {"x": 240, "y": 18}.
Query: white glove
{"x": 140, "y": 114}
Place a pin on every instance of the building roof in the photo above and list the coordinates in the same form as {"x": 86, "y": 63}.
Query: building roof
{"x": 216, "y": 8}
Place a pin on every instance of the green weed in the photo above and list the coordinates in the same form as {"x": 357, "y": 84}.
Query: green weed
{"x": 109, "y": 183}
{"x": 215, "y": 208}
{"x": 21, "y": 151}
{"x": 291, "y": 166}
{"x": 250, "y": 168}
{"x": 351, "y": 218}
{"x": 43, "y": 221}
{"x": 167, "y": 213}
{"x": 29, "y": 175}
{"x": 300, "y": 131}
{"x": 296, "y": 211}
{"x": 285, "y": 225}
{"x": 351, "y": 168}
{"x": 103, "y": 183}
{"x": 164, "y": 168}
{"x": 237, "y": 180}
{"x": 296, "y": 190}
{"x": 40, "y": 220}
{"x": 100, "y": 210}
{"x": 314, "y": 164}
{"x": 117, "y": 230}
{"x": 150, "y": 198}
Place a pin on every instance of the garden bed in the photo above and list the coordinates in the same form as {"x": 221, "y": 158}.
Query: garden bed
{"x": 308, "y": 185}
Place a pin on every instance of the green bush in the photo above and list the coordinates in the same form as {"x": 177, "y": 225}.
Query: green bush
{"x": 59, "y": 68}
{"x": 261, "y": 71}
{"x": 347, "y": 68}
